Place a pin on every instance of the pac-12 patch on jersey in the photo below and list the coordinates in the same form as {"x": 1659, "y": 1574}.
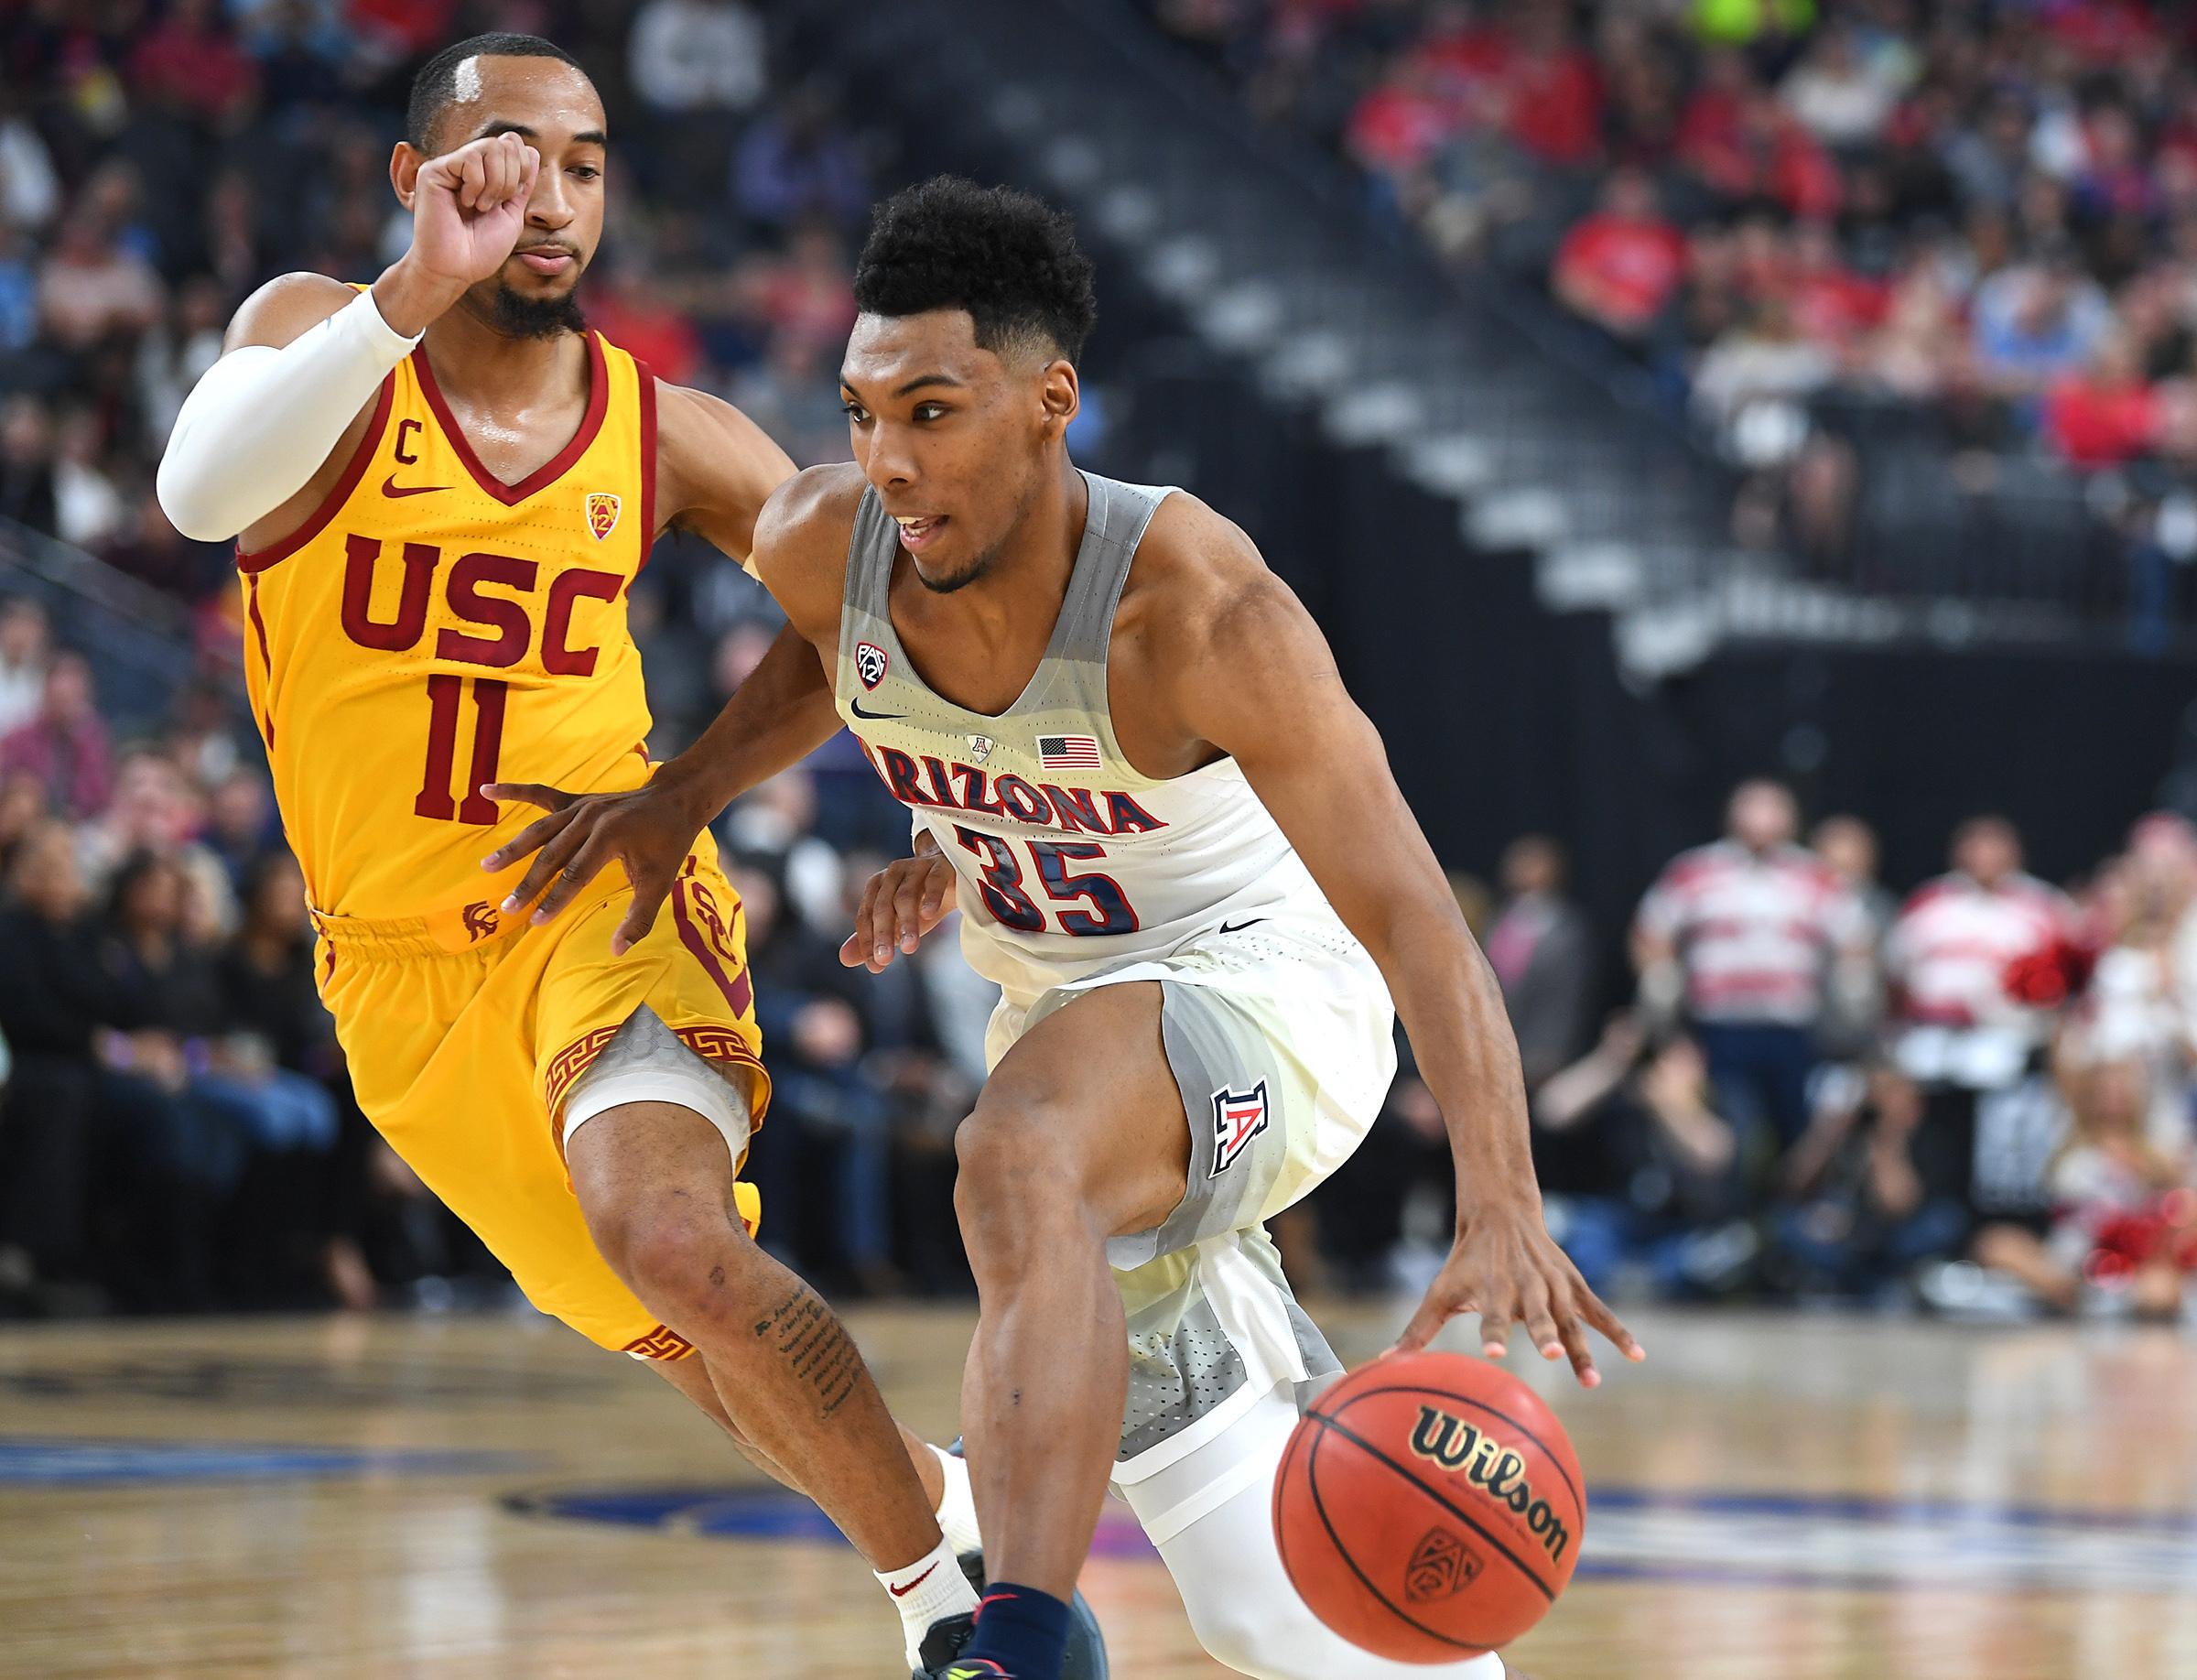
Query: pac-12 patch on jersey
{"x": 602, "y": 513}
{"x": 1238, "y": 1118}
{"x": 1068, "y": 751}
{"x": 870, "y": 664}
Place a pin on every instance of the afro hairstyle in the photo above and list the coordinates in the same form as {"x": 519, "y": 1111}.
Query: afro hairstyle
{"x": 1008, "y": 258}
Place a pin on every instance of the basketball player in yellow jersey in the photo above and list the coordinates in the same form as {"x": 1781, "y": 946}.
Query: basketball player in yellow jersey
{"x": 445, "y": 486}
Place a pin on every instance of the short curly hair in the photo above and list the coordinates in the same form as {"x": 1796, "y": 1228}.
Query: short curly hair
{"x": 1008, "y": 258}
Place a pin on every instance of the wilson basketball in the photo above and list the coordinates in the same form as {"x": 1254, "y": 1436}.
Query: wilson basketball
{"x": 1429, "y": 1507}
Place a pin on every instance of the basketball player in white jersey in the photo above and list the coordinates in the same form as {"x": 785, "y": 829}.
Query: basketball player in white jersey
{"x": 1177, "y": 847}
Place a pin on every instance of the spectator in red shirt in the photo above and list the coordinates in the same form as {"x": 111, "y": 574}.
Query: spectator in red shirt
{"x": 2106, "y": 413}
{"x": 634, "y": 314}
{"x": 1401, "y": 123}
{"x": 65, "y": 746}
{"x": 191, "y": 62}
{"x": 1831, "y": 303}
{"x": 1553, "y": 92}
{"x": 1621, "y": 266}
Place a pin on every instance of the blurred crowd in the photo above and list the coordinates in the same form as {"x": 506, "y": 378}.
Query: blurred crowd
{"x": 177, "y": 1131}
{"x": 1824, "y": 228}
{"x": 1976, "y": 1099}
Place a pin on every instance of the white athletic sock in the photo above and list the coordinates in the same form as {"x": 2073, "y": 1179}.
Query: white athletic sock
{"x": 958, "y": 1508}
{"x": 930, "y": 1588}
{"x": 1210, "y": 1512}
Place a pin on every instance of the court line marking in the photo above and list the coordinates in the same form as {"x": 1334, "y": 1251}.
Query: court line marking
{"x": 79, "y": 1461}
{"x": 772, "y": 1514}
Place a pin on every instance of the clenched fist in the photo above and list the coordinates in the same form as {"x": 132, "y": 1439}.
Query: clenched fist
{"x": 468, "y": 207}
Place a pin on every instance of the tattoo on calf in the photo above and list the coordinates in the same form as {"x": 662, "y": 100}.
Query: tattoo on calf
{"x": 810, "y": 1338}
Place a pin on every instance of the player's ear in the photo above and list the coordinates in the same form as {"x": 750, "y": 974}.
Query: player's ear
{"x": 405, "y": 164}
{"x": 1061, "y": 394}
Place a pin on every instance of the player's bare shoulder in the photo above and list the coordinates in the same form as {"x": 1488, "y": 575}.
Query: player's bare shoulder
{"x": 284, "y": 310}
{"x": 715, "y": 468}
{"x": 801, "y": 538}
{"x": 1198, "y": 582}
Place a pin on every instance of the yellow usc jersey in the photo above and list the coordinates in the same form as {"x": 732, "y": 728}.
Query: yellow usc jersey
{"x": 431, "y": 628}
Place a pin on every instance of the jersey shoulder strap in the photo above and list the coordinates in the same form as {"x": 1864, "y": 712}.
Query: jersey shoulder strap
{"x": 1113, "y": 527}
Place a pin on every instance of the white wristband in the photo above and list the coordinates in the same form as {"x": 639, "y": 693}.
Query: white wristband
{"x": 259, "y": 425}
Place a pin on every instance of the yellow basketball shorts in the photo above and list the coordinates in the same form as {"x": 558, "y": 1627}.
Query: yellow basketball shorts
{"x": 464, "y": 1031}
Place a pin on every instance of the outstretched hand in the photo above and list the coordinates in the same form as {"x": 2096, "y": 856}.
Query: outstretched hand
{"x": 904, "y": 902}
{"x": 1506, "y": 1267}
{"x": 648, "y": 830}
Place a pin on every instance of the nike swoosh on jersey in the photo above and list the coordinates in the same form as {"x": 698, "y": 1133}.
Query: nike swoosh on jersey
{"x": 875, "y": 717}
{"x": 901, "y": 1592}
{"x": 391, "y": 488}
{"x": 1241, "y": 925}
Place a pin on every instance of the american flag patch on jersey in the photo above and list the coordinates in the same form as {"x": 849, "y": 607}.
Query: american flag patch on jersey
{"x": 1068, "y": 751}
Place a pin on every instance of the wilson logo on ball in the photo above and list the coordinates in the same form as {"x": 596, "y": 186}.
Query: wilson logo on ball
{"x": 1441, "y": 1564}
{"x": 1489, "y": 1465}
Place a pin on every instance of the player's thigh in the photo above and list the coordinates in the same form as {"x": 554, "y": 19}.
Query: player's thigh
{"x": 1084, "y": 1104}
{"x": 462, "y": 1104}
{"x": 688, "y": 973}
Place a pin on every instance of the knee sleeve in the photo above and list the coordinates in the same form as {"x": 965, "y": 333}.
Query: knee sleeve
{"x": 1210, "y": 1514}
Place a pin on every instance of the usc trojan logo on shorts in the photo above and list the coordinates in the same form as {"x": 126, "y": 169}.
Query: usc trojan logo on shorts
{"x": 1238, "y": 1116}
{"x": 1441, "y": 1564}
{"x": 1491, "y": 1467}
{"x": 712, "y": 915}
{"x": 602, "y": 513}
{"x": 480, "y": 920}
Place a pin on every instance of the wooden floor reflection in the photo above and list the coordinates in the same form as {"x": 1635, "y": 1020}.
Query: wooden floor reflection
{"x": 1770, "y": 1498}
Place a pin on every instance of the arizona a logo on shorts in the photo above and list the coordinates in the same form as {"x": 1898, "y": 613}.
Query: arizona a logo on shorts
{"x": 602, "y": 513}
{"x": 870, "y": 663}
{"x": 1238, "y": 1116}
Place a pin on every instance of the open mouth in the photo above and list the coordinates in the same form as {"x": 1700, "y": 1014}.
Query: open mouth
{"x": 918, "y": 531}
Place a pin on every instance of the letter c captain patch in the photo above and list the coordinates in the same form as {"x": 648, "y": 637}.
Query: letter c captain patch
{"x": 870, "y": 663}
{"x": 1238, "y": 1116}
{"x": 602, "y": 513}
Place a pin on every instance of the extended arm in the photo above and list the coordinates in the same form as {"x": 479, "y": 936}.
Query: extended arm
{"x": 306, "y": 353}
{"x": 1261, "y": 685}
{"x": 780, "y": 715}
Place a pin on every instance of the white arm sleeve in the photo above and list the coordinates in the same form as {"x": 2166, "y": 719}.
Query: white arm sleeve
{"x": 257, "y": 427}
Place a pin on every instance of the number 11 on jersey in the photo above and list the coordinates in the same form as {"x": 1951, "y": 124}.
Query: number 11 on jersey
{"x": 444, "y": 693}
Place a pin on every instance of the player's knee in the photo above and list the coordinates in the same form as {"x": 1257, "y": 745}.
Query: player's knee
{"x": 1015, "y": 1183}
{"x": 690, "y": 1262}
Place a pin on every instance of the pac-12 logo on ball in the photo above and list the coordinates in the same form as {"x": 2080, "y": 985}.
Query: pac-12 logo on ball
{"x": 1238, "y": 1116}
{"x": 1440, "y": 1565}
{"x": 870, "y": 663}
{"x": 602, "y": 513}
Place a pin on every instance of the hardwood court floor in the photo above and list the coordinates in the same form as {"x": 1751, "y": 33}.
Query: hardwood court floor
{"x": 1770, "y": 1498}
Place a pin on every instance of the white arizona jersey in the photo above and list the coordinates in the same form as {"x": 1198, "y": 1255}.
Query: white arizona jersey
{"x": 1069, "y": 861}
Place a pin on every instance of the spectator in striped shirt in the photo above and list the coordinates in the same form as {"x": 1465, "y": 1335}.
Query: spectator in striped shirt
{"x": 1958, "y": 1031}
{"x": 1753, "y": 939}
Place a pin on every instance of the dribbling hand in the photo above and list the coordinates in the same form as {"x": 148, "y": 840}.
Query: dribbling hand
{"x": 1506, "y": 1268}
{"x": 904, "y": 902}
